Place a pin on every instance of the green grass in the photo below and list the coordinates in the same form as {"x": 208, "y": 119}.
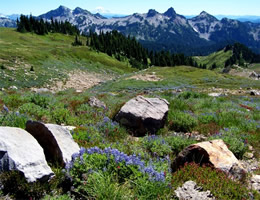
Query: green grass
{"x": 219, "y": 58}
{"x": 178, "y": 77}
{"x": 52, "y": 56}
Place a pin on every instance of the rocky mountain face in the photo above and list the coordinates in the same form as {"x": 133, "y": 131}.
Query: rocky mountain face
{"x": 6, "y": 22}
{"x": 202, "y": 34}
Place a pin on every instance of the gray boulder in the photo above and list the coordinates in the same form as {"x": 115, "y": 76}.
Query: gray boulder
{"x": 191, "y": 191}
{"x": 56, "y": 141}
{"x": 20, "y": 151}
{"x": 143, "y": 115}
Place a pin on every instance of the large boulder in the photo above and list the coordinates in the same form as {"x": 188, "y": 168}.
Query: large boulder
{"x": 20, "y": 151}
{"x": 143, "y": 115}
{"x": 56, "y": 141}
{"x": 214, "y": 153}
{"x": 190, "y": 190}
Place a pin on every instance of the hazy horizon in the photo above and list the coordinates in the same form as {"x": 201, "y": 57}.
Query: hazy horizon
{"x": 183, "y": 7}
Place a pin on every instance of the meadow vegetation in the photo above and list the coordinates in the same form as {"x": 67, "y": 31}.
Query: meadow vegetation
{"x": 111, "y": 163}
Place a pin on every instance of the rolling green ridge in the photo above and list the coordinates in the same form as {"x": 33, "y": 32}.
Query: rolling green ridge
{"x": 51, "y": 56}
{"x": 219, "y": 58}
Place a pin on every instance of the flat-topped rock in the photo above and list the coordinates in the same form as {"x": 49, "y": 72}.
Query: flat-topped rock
{"x": 143, "y": 115}
{"x": 20, "y": 151}
{"x": 56, "y": 141}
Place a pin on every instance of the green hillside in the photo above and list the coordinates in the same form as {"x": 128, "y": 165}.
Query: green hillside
{"x": 219, "y": 58}
{"x": 30, "y": 60}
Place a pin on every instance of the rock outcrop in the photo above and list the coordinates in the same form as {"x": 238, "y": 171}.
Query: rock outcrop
{"x": 215, "y": 153}
{"x": 20, "y": 151}
{"x": 56, "y": 141}
{"x": 191, "y": 191}
{"x": 94, "y": 102}
{"x": 143, "y": 115}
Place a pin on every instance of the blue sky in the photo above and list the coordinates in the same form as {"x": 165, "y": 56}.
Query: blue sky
{"x": 184, "y": 7}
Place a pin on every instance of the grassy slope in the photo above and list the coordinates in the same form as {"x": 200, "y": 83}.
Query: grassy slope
{"x": 179, "y": 77}
{"x": 51, "y": 56}
{"x": 219, "y": 58}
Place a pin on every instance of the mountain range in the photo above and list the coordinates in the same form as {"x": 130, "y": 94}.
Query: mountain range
{"x": 198, "y": 35}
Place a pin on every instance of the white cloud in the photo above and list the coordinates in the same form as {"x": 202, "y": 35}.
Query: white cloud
{"x": 101, "y": 10}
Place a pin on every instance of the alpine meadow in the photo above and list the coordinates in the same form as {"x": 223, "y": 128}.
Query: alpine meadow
{"x": 99, "y": 103}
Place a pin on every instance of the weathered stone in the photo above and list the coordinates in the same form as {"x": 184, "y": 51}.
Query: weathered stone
{"x": 94, "y": 102}
{"x": 215, "y": 94}
{"x": 255, "y": 182}
{"x": 190, "y": 190}
{"x": 214, "y": 153}
{"x": 254, "y": 93}
{"x": 20, "y": 151}
{"x": 249, "y": 155}
{"x": 56, "y": 141}
{"x": 143, "y": 115}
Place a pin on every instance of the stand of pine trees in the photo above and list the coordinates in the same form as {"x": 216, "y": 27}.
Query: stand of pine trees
{"x": 117, "y": 45}
{"x": 41, "y": 27}
{"x": 241, "y": 55}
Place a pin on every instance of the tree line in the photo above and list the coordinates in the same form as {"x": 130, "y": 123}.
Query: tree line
{"x": 41, "y": 27}
{"x": 116, "y": 44}
{"x": 241, "y": 55}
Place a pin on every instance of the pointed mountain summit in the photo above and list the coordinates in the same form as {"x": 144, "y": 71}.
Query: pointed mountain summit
{"x": 61, "y": 11}
{"x": 170, "y": 13}
{"x": 152, "y": 13}
{"x": 204, "y": 15}
{"x": 79, "y": 10}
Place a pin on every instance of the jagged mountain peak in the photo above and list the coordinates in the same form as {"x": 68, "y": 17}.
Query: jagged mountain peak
{"x": 152, "y": 13}
{"x": 79, "y": 10}
{"x": 63, "y": 8}
{"x": 170, "y": 12}
{"x": 204, "y": 16}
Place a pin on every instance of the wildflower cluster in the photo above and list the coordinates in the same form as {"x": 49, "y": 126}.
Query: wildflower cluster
{"x": 119, "y": 159}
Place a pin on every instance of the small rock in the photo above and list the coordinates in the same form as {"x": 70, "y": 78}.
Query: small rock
{"x": 191, "y": 191}
{"x": 249, "y": 155}
{"x": 255, "y": 182}
{"x": 254, "y": 93}
{"x": 250, "y": 148}
{"x": 214, "y": 94}
{"x": 13, "y": 87}
{"x": 94, "y": 102}
{"x": 41, "y": 90}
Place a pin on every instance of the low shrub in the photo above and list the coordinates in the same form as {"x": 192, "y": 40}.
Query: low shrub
{"x": 178, "y": 143}
{"x": 156, "y": 145}
{"x": 210, "y": 179}
{"x": 181, "y": 121}
{"x": 115, "y": 170}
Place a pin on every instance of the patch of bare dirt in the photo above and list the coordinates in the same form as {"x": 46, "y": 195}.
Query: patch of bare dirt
{"x": 80, "y": 81}
{"x": 146, "y": 77}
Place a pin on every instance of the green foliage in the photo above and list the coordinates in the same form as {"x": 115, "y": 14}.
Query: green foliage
{"x": 156, "y": 146}
{"x": 234, "y": 140}
{"x": 178, "y": 143}
{"x": 33, "y": 110}
{"x": 210, "y": 179}
{"x": 116, "y": 44}
{"x": 14, "y": 120}
{"x": 41, "y": 100}
{"x": 15, "y": 185}
{"x": 180, "y": 121}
